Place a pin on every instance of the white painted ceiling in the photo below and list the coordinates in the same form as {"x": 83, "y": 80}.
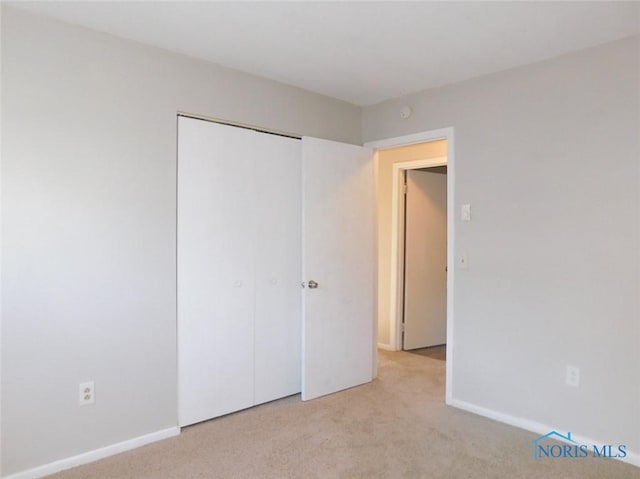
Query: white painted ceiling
{"x": 360, "y": 52}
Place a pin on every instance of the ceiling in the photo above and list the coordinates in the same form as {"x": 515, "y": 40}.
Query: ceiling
{"x": 360, "y": 52}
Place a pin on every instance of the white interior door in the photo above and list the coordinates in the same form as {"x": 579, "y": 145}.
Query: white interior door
{"x": 425, "y": 301}
{"x": 338, "y": 255}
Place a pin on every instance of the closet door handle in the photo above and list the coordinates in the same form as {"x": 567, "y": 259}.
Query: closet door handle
{"x": 313, "y": 284}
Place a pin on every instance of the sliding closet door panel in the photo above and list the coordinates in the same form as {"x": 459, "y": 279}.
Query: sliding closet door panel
{"x": 278, "y": 264}
{"x": 215, "y": 269}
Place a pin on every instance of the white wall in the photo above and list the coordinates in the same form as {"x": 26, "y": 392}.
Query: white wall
{"x": 548, "y": 157}
{"x": 89, "y": 225}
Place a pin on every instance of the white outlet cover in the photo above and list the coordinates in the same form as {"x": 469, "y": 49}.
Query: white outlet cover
{"x": 573, "y": 376}
{"x": 86, "y": 393}
{"x": 405, "y": 112}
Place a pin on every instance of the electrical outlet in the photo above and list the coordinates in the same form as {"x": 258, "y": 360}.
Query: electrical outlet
{"x": 573, "y": 376}
{"x": 87, "y": 393}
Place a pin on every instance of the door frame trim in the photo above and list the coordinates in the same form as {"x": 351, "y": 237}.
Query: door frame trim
{"x": 395, "y": 325}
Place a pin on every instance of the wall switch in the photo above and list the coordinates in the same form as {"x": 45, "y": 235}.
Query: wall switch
{"x": 573, "y": 376}
{"x": 465, "y": 212}
{"x": 463, "y": 261}
{"x": 87, "y": 393}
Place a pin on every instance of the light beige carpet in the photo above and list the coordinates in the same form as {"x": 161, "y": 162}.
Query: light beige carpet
{"x": 395, "y": 427}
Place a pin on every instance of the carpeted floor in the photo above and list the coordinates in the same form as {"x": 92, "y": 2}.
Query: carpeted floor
{"x": 395, "y": 427}
{"x": 433, "y": 352}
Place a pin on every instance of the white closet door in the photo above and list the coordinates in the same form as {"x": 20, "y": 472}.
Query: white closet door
{"x": 216, "y": 217}
{"x": 338, "y": 255}
{"x": 278, "y": 263}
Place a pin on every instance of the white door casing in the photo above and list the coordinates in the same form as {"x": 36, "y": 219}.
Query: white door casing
{"x": 448, "y": 134}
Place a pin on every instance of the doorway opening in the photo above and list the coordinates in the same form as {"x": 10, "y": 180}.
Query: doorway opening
{"x": 395, "y": 159}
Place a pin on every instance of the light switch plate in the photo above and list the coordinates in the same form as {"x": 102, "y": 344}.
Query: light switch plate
{"x": 463, "y": 261}
{"x": 465, "y": 212}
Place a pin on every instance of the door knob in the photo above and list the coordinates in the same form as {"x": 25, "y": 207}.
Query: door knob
{"x": 313, "y": 284}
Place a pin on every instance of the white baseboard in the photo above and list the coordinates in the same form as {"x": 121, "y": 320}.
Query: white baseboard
{"x": 536, "y": 427}
{"x": 386, "y": 347}
{"x": 94, "y": 455}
